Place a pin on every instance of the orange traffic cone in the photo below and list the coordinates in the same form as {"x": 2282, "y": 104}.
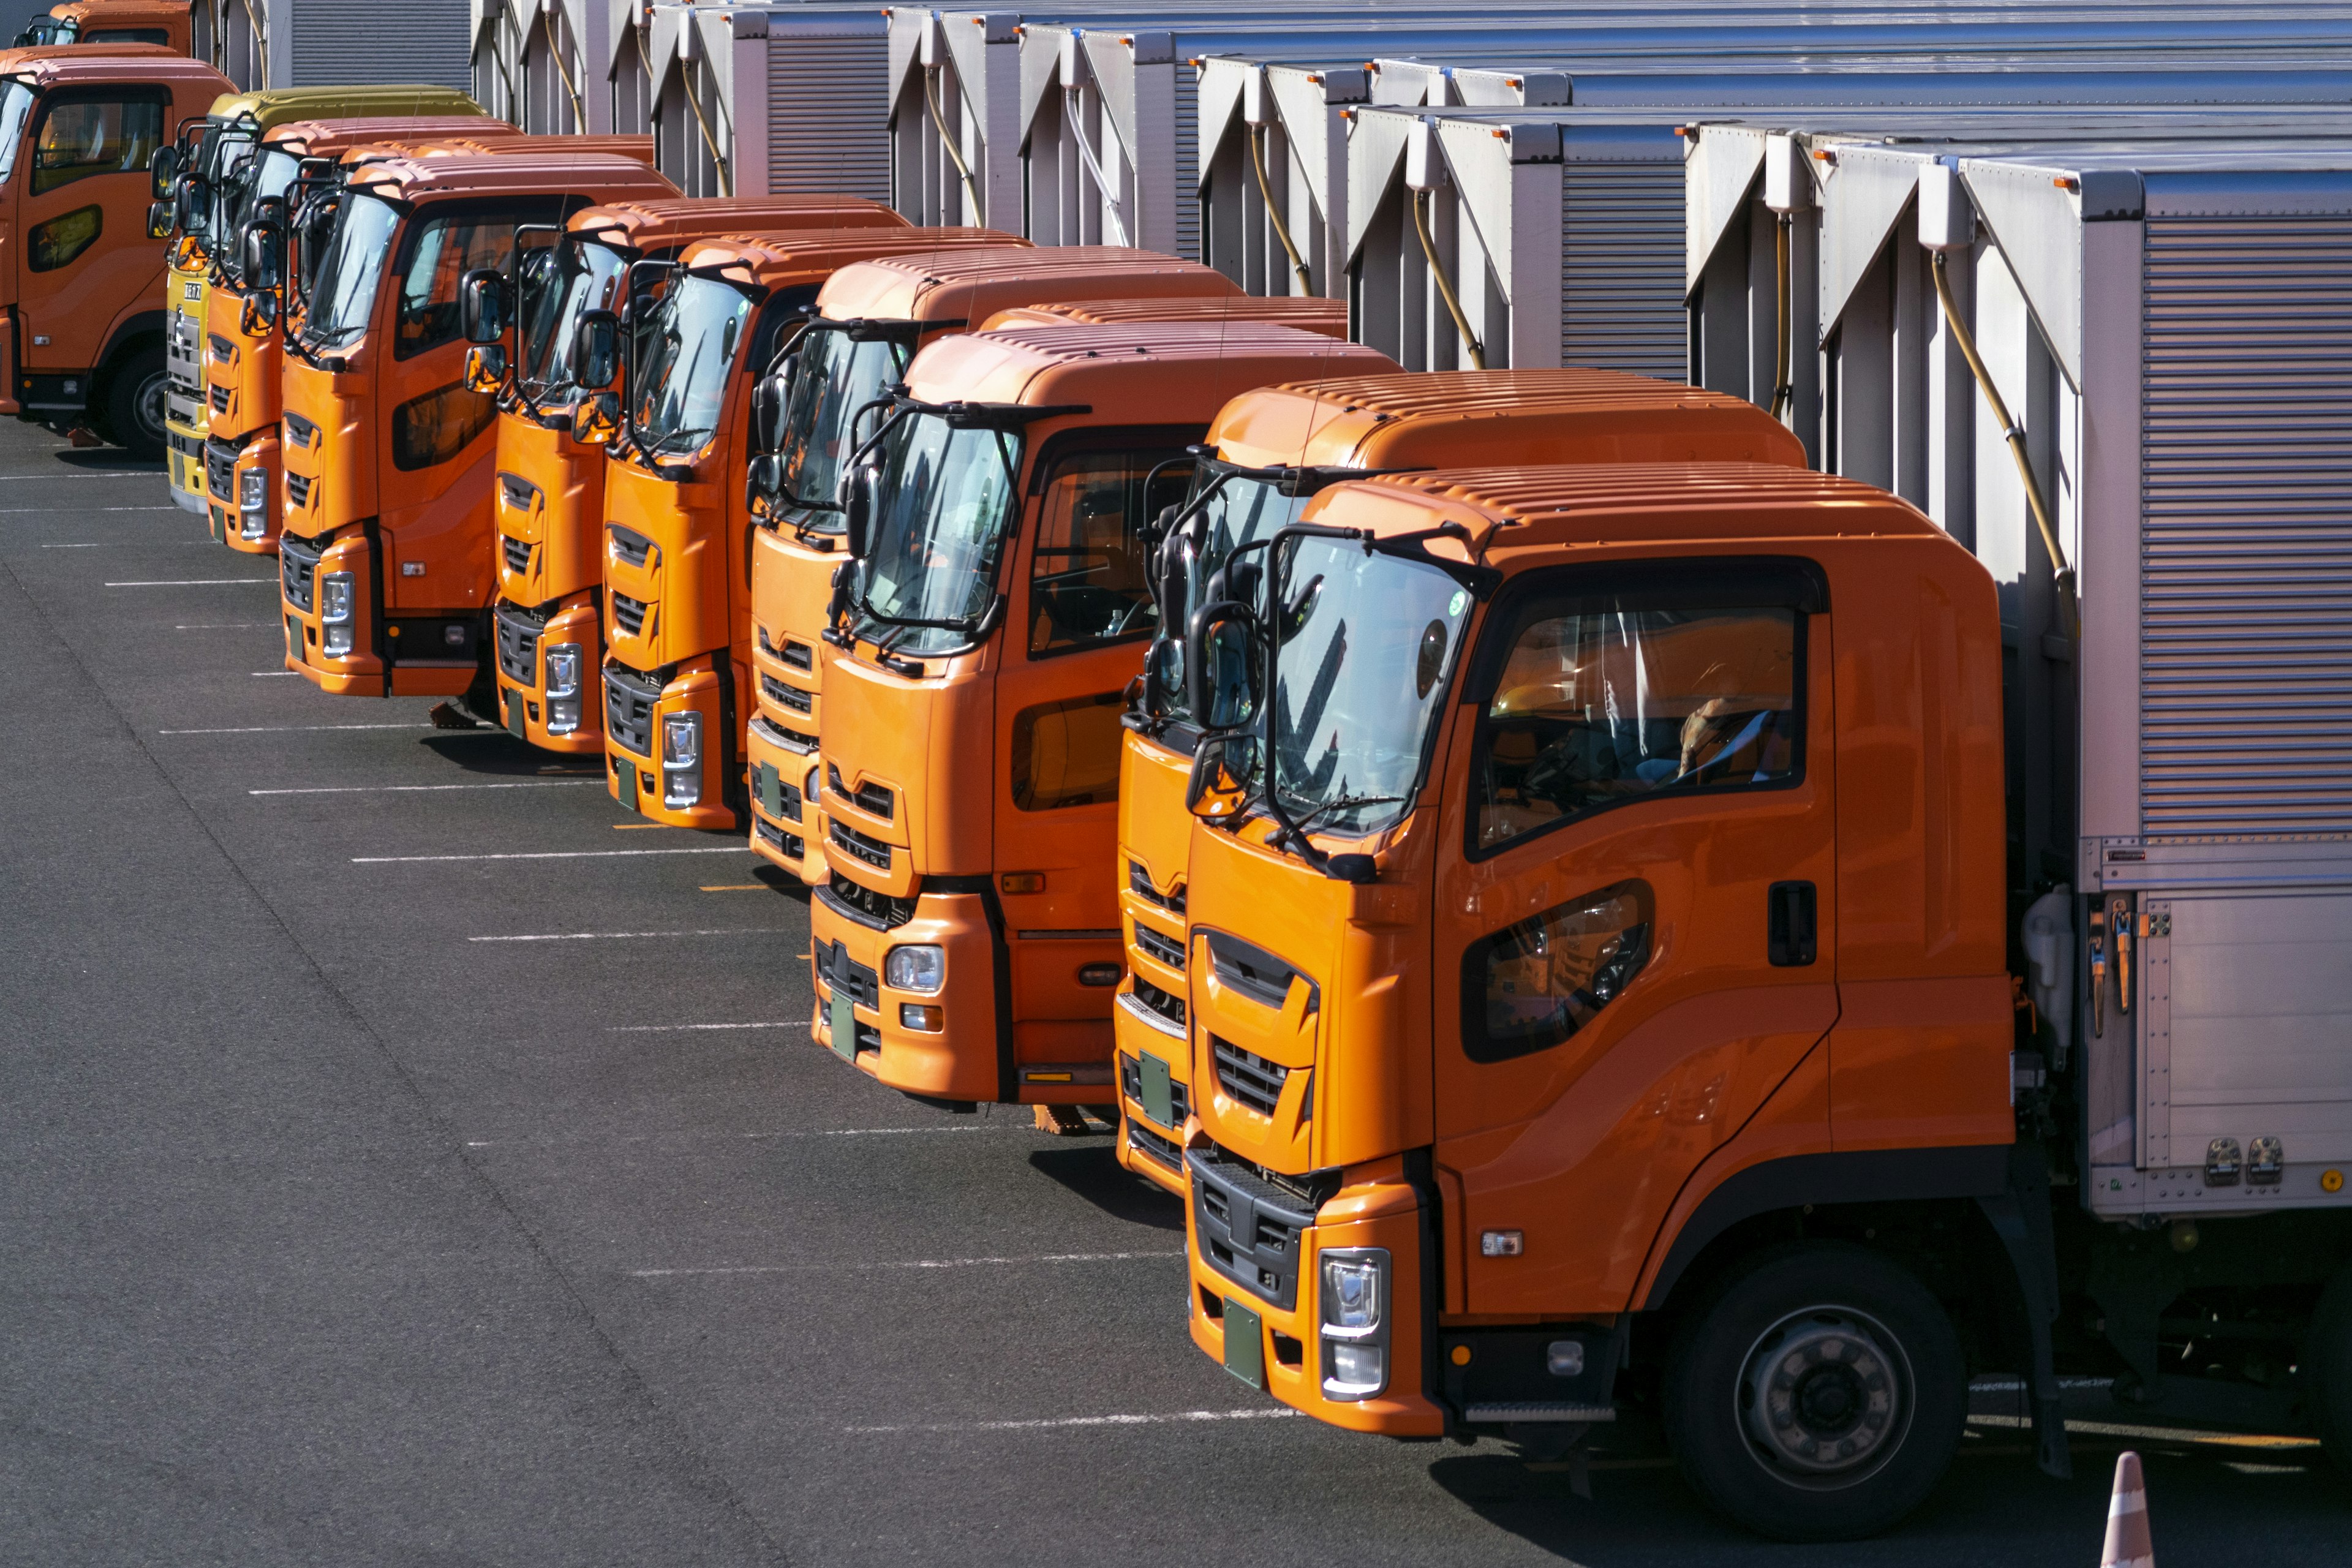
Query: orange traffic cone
{"x": 2128, "y": 1545}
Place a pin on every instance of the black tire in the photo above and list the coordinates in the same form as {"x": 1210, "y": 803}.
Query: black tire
{"x": 134, "y": 405}
{"x": 2328, "y": 1358}
{"x": 1816, "y": 1394}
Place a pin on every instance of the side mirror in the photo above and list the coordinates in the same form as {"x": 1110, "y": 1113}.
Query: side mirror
{"x": 482, "y": 305}
{"x": 596, "y": 351}
{"x": 1217, "y": 669}
{"x": 1221, "y": 768}
{"x": 264, "y": 256}
{"x": 486, "y": 367}
{"x": 159, "y": 220}
{"x": 1163, "y": 675}
{"x": 763, "y": 475}
{"x": 768, "y": 397}
{"x": 857, "y": 509}
{"x": 161, "y": 170}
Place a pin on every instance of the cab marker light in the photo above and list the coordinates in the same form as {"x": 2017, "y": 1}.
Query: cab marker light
{"x": 1021, "y": 882}
{"x": 1501, "y": 1243}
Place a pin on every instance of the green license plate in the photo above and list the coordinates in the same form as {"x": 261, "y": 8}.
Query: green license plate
{"x": 771, "y": 785}
{"x": 1158, "y": 1098}
{"x": 515, "y": 715}
{"x": 1244, "y": 1344}
{"x": 844, "y": 1026}
{"x": 629, "y": 786}
{"x": 293, "y": 639}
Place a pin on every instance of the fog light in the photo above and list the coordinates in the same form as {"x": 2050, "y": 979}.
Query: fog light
{"x": 1565, "y": 1358}
{"x": 681, "y": 759}
{"x": 930, "y": 1020}
{"x": 923, "y": 969}
{"x": 336, "y": 642}
{"x": 1358, "y": 1366}
{"x": 562, "y": 715}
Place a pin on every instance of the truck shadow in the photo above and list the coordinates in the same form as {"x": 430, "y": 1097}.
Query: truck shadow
{"x": 495, "y": 752}
{"x": 105, "y": 461}
{"x": 1092, "y": 1173}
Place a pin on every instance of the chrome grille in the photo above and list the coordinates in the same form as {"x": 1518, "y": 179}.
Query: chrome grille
{"x": 1248, "y": 1077}
{"x": 519, "y": 634}
{"x": 628, "y": 615}
{"x": 1165, "y": 949}
{"x": 629, "y": 700}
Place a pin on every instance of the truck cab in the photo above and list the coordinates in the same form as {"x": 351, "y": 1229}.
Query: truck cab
{"x": 1309, "y": 314}
{"x": 162, "y": 23}
{"x": 678, "y": 633}
{"x": 216, "y": 159}
{"x": 83, "y": 284}
{"x": 385, "y": 558}
{"x": 1272, "y": 450}
{"x": 997, "y": 604}
{"x": 550, "y": 497}
{"x": 871, "y": 322}
{"x": 240, "y": 346}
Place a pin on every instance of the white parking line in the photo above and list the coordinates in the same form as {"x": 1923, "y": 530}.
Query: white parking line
{"x": 249, "y": 627}
{"x": 671, "y": 1028}
{"x": 307, "y": 729}
{"x": 633, "y": 935}
{"x": 1172, "y": 1418}
{"x": 833, "y": 1132}
{"x": 927, "y": 1263}
{"x": 542, "y": 855}
{"x": 24, "y": 510}
{"x": 269, "y": 674}
{"x": 193, "y": 583}
{"x": 427, "y": 789}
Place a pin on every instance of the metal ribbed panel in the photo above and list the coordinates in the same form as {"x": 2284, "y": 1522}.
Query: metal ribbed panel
{"x": 337, "y": 42}
{"x": 1620, "y": 268}
{"x": 825, "y": 103}
{"x": 2246, "y": 541}
{"x": 1188, "y": 162}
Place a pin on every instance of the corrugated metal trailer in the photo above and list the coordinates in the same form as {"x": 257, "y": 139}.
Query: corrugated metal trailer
{"x": 321, "y": 43}
{"x": 754, "y": 99}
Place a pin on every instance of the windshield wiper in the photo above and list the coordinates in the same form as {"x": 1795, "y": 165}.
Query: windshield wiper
{"x": 1343, "y": 802}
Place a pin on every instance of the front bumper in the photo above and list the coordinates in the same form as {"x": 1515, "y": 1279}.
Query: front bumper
{"x": 378, "y": 664}
{"x": 787, "y": 823}
{"x": 1266, "y": 1287}
{"x": 1150, "y": 1025}
{"x": 252, "y": 529}
{"x": 523, "y": 634}
{"x": 184, "y": 428}
{"x": 636, "y": 705}
{"x": 848, "y": 946}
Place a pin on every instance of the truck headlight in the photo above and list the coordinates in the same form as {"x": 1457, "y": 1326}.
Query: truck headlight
{"x": 335, "y": 593}
{"x": 681, "y": 759}
{"x": 923, "y": 969}
{"x": 563, "y": 688}
{"x": 1354, "y": 1301}
{"x": 253, "y": 502}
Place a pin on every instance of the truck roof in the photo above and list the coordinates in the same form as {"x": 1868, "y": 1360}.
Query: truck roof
{"x": 1457, "y": 417}
{"x": 771, "y": 260}
{"x": 508, "y": 143}
{"x": 99, "y": 63}
{"x": 974, "y": 286}
{"x": 1329, "y": 317}
{"x": 1515, "y": 513}
{"x": 278, "y": 106}
{"x": 121, "y": 13}
{"x": 331, "y": 138}
{"x": 663, "y": 223}
{"x": 408, "y": 177}
{"x": 1173, "y": 371}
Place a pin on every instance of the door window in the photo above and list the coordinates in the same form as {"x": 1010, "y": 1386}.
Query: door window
{"x": 1608, "y": 700}
{"x": 1089, "y": 581}
{"x": 51, "y": 245}
{"x": 83, "y": 137}
{"x": 1532, "y": 984}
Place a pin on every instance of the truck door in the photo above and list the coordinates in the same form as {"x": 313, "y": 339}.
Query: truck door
{"x": 1080, "y": 615}
{"x": 1635, "y": 905}
{"x": 83, "y": 189}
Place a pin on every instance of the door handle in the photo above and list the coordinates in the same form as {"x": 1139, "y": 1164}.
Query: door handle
{"x": 1790, "y": 924}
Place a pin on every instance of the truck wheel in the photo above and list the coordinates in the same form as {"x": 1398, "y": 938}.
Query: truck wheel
{"x": 134, "y": 405}
{"x": 2329, "y": 1358}
{"x": 1817, "y": 1394}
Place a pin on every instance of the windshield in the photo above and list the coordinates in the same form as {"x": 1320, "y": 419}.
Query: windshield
{"x": 228, "y": 168}
{"x": 838, "y": 375}
{"x": 1368, "y": 642}
{"x": 684, "y": 354}
{"x": 50, "y": 31}
{"x": 344, "y": 294}
{"x": 940, "y": 514}
{"x": 579, "y": 277}
{"x": 16, "y": 107}
{"x": 1242, "y": 510}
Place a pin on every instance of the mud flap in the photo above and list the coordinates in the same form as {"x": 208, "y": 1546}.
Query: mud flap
{"x": 2020, "y": 1218}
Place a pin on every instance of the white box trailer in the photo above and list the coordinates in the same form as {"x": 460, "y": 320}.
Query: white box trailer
{"x": 754, "y": 99}
{"x": 262, "y": 44}
{"x": 534, "y": 64}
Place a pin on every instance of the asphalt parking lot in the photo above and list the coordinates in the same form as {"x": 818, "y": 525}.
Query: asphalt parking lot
{"x": 406, "y": 1157}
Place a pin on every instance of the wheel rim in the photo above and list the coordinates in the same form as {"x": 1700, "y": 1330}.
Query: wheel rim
{"x": 147, "y": 408}
{"x": 1826, "y": 1397}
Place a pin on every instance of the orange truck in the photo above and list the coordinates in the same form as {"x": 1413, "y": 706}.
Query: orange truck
{"x": 385, "y": 555}
{"x": 242, "y": 349}
{"x": 871, "y": 320}
{"x": 1598, "y": 976}
{"x": 84, "y": 310}
{"x": 550, "y": 496}
{"x": 1309, "y": 314}
{"x": 677, "y": 626}
{"x": 996, "y": 604}
{"x": 163, "y": 23}
{"x": 1271, "y": 451}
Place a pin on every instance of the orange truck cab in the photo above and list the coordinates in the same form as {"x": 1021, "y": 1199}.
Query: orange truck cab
{"x": 871, "y": 320}
{"x": 677, "y": 561}
{"x": 163, "y": 23}
{"x": 242, "y": 351}
{"x": 1309, "y": 314}
{"x": 1270, "y": 452}
{"x": 385, "y": 557}
{"x": 81, "y": 287}
{"x": 996, "y": 606}
{"x": 1564, "y": 926}
{"x": 549, "y": 495}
